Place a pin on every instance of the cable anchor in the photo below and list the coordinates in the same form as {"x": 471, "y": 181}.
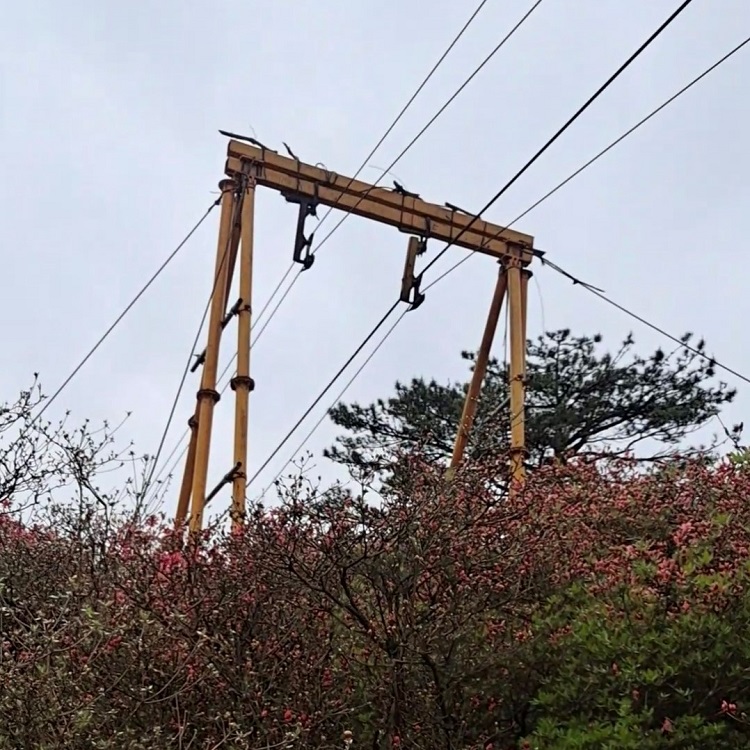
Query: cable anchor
{"x": 307, "y": 207}
{"x": 402, "y": 191}
{"x": 228, "y": 478}
{"x": 234, "y": 310}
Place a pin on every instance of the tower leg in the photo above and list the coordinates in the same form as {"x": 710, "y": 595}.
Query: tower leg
{"x": 187, "y": 477}
{"x": 517, "y": 295}
{"x": 525, "y": 276}
{"x": 242, "y": 383}
{"x": 208, "y": 395}
{"x": 480, "y": 370}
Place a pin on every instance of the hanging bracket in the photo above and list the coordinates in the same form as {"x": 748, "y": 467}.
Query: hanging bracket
{"x": 307, "y": 207}
{"x": 410, "y": 283}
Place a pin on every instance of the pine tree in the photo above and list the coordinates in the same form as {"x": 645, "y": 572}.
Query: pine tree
{"x": 579, "y": 399}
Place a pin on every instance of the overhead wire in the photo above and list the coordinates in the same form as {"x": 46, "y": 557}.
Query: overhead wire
{"x": 682, "y": 342}
{"x": 127, "y": 309}
{"x": 343, "y": 392}
{"x": 540, "y": 297}
{"x": 606, "y": 149}
{"x": 612, "y": 78}
{"x": 338, "y": 398}
{"x": 155, "y": 460}
{"x": 325, "y": 390}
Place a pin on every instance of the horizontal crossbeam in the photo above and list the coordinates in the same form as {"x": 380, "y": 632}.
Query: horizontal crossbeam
{"x": 408, "y": 213}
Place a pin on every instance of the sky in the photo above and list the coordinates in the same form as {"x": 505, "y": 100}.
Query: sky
{"x": 110, "y": 152}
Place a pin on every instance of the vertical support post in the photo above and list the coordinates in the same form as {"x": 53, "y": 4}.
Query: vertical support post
{"x": 480, "y": 370}
{"x": 186, "y": 487}
{"x": 242, "y": 383}
{"x": 525, "y": 276}
{"x": 208, "y": 395}
{"x": 232, "y": 259}
{"x": 517, "y": 285}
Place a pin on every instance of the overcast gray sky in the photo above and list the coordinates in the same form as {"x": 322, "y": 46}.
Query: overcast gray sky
{"x": 109, "y": 148}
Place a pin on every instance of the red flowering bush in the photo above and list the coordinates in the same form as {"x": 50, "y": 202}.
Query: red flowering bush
{"x": 601, "y": 607}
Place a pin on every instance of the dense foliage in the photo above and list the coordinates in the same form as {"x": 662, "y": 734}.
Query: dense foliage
{"x": 579, "y": 400}
{"x": 603, "y": 607}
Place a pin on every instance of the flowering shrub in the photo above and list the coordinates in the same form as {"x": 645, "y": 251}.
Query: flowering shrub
{"x": 629, "y": 673}
{"x": 602, "y": 607}
{"x": 643, "y": 643}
